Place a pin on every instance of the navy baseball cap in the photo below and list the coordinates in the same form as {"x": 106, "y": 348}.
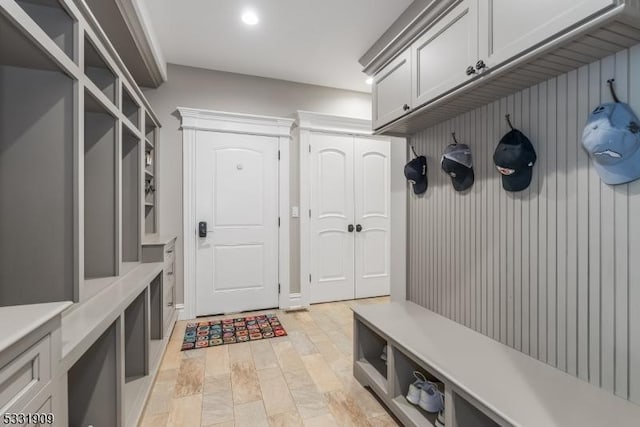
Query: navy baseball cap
{"x": 456, "y": 161}
{"x": 416, "y": 173}
{"x": 514, "y": 158}
{"x": 612, "y": 138}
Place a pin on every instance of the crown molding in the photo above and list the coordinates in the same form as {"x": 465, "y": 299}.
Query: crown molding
{"x": 321, "y": 122}
{"x": 220, "y": 121}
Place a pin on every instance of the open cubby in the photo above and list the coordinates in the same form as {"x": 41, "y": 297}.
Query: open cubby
{"x": 130, "y": 197}
{"x": 468, "y": 415}
{"x": 130, "y": 109}
{"x": 369, "y": 351}
{"x": 96, "y": 68}
{"x": 136, "y": 345}
{"x": 36, "y": 175}
{"x": 156, "y": 306}
{"x": 94, "y": 383}
{"x": 403, "y": 369}
{"x": 100, "y": 254}
{"x": 54, "y": 20}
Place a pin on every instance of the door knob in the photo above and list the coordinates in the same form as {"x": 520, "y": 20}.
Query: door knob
{"x": 350, "y": 228}
{"x": 470, "y": 70}
{"x": 480, "y": 65}
{"x": 406, "y": 107}
{"x": 358, "y": 228}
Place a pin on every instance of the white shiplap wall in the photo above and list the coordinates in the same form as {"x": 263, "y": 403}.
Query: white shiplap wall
{"x": 553, "y": 271}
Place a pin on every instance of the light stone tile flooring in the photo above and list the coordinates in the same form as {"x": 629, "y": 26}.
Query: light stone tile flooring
{"x": 303, "y": 379}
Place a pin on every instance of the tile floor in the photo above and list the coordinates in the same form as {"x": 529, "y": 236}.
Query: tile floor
{"x": 304, "y": 379}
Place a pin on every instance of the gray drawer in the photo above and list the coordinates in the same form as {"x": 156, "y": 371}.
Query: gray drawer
{"x": 23, "y": 377}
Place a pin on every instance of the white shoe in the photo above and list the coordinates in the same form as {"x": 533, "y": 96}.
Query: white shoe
{"x": 415, "y": 389}
{"x": 383, "y": 356}
{"x": 431, "y": 399}
{"x": 440, "y": 419}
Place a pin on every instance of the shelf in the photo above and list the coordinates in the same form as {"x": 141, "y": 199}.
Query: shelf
{"x": 100, "y": 208}
{"x": 148, "y": 173}
{"x": 467, "y": 415}
{"x": 149, "y": 144}
{"x": 94, "y": 383}
{"x": 370, "y": 347}
{"x": 130, "y": 197}
{"x": 54, "y": 20}
{"x": 136, "y": 339}
{"x": 373, "y": 373}
{"x": 96, "y": 68}
{"x": 37, "y": 138}
{"x": 414, "y": 413}
{"x": 130, "y": 109}
{"x": 148, "y": 204}
{"x": 156, "y": 306}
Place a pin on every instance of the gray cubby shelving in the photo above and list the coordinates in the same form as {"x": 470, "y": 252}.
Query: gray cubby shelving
{"x": 37, "y": 143}
{"x": 53, "y": 18}
{"x": 130, "y": 109}
{"x": 369, "y": 348}
{"x": 136, "y": 338}
{"x": 468, "y": 415}
{"x": 156, "y": 305}
{"x": 130, "y": 168}
{"x": 151, "y": 217}
{"x": 94, "y": 383}
{"x": 100, "y": 192}
{"x": 97, "y": 70}
{"x": 403, "y": 368}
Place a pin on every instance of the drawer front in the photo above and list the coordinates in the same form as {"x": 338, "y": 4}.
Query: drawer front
{"x": 23, "y": 377}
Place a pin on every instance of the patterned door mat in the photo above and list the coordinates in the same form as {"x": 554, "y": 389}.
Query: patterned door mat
{"x": 229, "y": 331}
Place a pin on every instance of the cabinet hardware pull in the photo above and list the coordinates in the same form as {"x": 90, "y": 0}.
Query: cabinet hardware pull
{"x": 470, "y": 70}
{"x": 480, "y": 65}
{"x": 358, "y": 228}
{"x": 406, "y": 107}
{"x": 350, "y": 228}
{"x": 170, "y": 304}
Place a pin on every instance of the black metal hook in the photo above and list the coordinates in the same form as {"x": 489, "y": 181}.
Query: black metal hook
{"x": 508, "y": 117}
{"x": 613, "y": 91}
{"x": 414, "y": 151}
{"x": 453, "y": 135}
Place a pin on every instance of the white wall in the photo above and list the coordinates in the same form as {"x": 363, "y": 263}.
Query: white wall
{"x": 214, "y": 90}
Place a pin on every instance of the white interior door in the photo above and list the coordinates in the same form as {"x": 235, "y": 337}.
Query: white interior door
{"x": 372, "y": 167}
{"x": 332, "y": 211}
{"x": 237, "y": 196}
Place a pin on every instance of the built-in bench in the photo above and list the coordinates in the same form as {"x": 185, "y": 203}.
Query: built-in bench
{"x": 486, "y": 383}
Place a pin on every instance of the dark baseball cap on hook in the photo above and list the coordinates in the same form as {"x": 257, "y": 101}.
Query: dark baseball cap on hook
{"x": 514, "y": 158}
{"x": 416, "y": 173}
{"x": 456, "y": 161}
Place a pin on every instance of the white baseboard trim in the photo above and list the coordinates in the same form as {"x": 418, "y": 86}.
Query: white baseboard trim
{"x": 181, "y": 312}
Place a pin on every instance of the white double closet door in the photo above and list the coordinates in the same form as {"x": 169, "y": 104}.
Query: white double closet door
{"x": 349, "y": 217}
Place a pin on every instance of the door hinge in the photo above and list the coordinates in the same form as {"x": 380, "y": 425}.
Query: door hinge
{"x": 278, "y": 221}
{"x": 309, "y": 278}
{"x": 309, "y": 147}
{"x": 278, "y": 154}
{"x": 309, "y": 213}
{"x": 278, "y": 287}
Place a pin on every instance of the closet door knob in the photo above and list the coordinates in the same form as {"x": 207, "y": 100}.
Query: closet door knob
{"x": 406, "y": 107}
{"x": 358, "y": 228}
{"x": 480, "y": 65}
{"x": 350, "y": 228}
{"x": 470, "y": 70}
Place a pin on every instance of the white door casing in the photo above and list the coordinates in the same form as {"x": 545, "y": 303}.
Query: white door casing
{"x": 196, "y": 122}
{"x": 332, "y": 212}
{"x": 237, "y": 196}
{"x": 372, "y": 162}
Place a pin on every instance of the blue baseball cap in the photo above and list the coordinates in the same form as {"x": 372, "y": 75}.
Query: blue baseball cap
{"x": 612, "y": 139}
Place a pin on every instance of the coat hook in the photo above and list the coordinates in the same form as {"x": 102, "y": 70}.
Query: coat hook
{"x": 508, "y": 117}
{"x": 453, "y": 134}
{"x": 613, "y": 91}
{"x": 414, "y": 151}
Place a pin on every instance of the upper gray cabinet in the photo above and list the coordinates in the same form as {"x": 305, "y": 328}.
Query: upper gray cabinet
{"x": 473, "y": 52}
{"x": 445, "y": 56}
{"x": 392, "y": 91}
{"x": 509, "y": 27}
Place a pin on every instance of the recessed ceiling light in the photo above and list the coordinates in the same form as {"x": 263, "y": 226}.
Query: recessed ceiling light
{"x": 249, "y": 17}
{"x": 369, "y": 81}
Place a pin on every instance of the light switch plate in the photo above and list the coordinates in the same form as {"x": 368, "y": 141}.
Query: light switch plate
{"x": 295, "y": 212}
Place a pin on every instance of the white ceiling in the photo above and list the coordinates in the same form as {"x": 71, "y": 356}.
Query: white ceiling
{"x": 308, "y": 41}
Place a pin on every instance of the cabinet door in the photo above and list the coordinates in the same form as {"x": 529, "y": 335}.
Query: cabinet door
{"x": 508, "y": 27}
{"x": 392, "y": 91}
{"x": 442, "y": 54}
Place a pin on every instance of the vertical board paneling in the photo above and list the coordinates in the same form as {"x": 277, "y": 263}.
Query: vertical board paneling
{"x": 549, "y": 270}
